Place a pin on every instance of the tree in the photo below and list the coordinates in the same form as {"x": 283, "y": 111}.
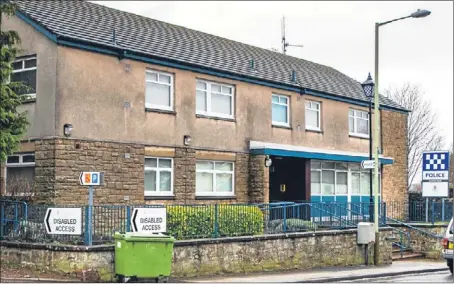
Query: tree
{"x": 422, "y": 133}
{"x": 12, "y": 122}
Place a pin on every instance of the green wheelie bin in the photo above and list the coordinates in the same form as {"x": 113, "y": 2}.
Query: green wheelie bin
{"x": 143, "y": 256}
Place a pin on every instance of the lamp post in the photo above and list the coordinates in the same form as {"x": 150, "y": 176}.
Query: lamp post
{"x": 417, "y": 14}
{"x": 368, "y": 88}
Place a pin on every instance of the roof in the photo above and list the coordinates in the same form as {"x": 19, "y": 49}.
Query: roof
{"x": 94, "y": 24}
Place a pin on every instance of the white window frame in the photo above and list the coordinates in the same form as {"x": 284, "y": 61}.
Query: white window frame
{"x": 355, "y": 124}
{"x": 208, "y": 91}
{"x": 214, "y": 193}
{"x": 23, "y": 69}
{"x": 20, "y": 164}
{"x": 158, "y": 177}
{"x": 158, "y": 73}
{"x": 311, "y": 103}
{"x": 278, "y": 123}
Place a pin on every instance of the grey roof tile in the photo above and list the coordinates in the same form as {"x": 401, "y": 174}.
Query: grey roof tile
{"x": 86, "y": 21}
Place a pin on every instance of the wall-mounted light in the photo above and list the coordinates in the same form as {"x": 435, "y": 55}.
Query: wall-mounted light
{"x": 187, "y": 140}
{"x": 268, "y": 161}
{"x": 67, "y": 129}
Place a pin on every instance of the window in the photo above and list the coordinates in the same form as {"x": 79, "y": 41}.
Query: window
{"x": 280, "y": 110}
{"x": 213, "y": 99}
{"x": 20, "y": 173}
{"x": 159, "y": 90}
{"x": 358, "y": 123}
{"x": 214, "y": 178}
{"x": 158, "y": 176}
{"x": 24, "y": 70}
{"x": 312, "y": 115}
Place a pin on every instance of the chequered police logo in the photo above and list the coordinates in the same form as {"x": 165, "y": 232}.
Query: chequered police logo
{"x": 435, "y": 162}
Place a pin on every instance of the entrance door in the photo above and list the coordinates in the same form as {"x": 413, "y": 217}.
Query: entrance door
{"x": 287, "y": 179}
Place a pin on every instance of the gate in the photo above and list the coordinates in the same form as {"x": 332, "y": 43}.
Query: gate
{"x": 12, "y": 215}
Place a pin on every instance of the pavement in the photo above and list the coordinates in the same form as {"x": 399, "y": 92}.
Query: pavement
{"x": 434, "y": 277}
{"x": 333, "y": 274}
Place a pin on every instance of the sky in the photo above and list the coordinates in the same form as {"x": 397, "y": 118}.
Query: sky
{"x": 337, "y": 34}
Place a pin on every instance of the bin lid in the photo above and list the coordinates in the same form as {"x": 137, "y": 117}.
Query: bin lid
{"x": 146, "y": 237}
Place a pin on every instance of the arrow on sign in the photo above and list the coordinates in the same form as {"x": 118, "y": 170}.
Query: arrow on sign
{"x": 46, "y": 220}
{"x": 134, "y": 216}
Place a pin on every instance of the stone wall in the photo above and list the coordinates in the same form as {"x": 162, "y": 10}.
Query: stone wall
{"x": 394, "y": 141}
{"x": 259, "y": 180}
{"x": 211, "y": 257}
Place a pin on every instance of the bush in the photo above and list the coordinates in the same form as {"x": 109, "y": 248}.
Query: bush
{"x": 292, "y": 225}
{"x": 191, "y": 222}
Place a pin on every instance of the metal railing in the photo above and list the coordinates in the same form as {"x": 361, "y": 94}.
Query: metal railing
{"x": 428, "y": 211}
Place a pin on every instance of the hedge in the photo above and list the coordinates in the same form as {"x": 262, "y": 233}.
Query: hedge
{"x": 208, "y": 221}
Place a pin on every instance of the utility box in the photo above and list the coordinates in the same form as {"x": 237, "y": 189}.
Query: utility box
{"x": 366, "y": 233}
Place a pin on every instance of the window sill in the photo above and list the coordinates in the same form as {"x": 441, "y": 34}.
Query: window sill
{"x": 147, "y": 109}
{"x": 314, "y": 130}
{"x": 215, "y": 117}
{"x": 215, "y": 197}
{"x": 158, "y": 197}
{"x": 282, "y": 126}
{"x": 29, "y": 100}
{"x": 359, "y": 136}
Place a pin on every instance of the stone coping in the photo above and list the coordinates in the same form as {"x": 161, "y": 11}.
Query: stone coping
{"x": 422, "y": 225}
{"x": 111, "y": 247}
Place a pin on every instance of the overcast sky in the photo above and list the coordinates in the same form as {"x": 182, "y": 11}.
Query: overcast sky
{"x": 338, "y": 34}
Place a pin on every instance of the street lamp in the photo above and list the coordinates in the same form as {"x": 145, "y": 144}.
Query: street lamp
{"x": 417, "y": 14}
{"x": 368, "y": 88}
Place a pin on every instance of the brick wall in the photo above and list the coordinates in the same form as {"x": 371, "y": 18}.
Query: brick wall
{"x": 394, "y": 139}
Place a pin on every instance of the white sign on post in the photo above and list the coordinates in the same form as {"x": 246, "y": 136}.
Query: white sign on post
{"x": 149, "y": 220}
{"x": 435, "y": 174}
{"x": 91, "y": 178}
{"x": 63, "y": 221}
{"x": 368, "y": 164}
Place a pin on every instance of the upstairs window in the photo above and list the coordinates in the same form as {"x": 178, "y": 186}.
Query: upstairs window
{"x": 213, "y": 99}
{"x": 159, "y": 90}
{"x": 24, "y": 71}
{"x": 312, "y": 115}
{"x": 358, "y": 123}
{"x": 280, "y": 112}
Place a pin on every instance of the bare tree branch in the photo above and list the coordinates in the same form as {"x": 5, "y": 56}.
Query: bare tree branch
{"x": 422, "y": 132}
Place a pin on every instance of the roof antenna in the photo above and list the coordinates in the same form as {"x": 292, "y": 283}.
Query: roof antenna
{"x": 285, "y": 44}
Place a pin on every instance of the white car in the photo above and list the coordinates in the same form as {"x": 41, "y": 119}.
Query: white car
{"x": 448, "y": 243}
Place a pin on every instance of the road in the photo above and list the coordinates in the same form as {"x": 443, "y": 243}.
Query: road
{"x": 435, "y": 277}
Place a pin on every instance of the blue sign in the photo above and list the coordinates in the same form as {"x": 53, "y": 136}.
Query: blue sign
{"x": 435, "y": 173}
{"x": 94, "y": 178}
{"x": 435, "y": 161}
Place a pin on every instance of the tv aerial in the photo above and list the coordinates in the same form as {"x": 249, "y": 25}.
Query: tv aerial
{"x": 286, "y": 44}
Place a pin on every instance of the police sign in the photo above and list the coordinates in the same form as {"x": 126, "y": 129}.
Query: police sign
{"x": 63, "y": 221}
{"x": 435, "y": 173}
{"x": 149, "y": 220}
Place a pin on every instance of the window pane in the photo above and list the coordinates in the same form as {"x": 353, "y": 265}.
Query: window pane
{"x": 150, "y": 180}
{"x": 362, "y": 126}
{"x": 17, "y": 65}
{"x": 365, "y": 183}
{"x": 20, "y": 179}
{"x": 30, "y": 63}
{"x": 308, "y": 104}
{"x": 315, "y": 182}
{"x": 354, "y": 167}
{"x": 13, "y": 159}
{"x": 328, "y": 182}
{"x": 165, "y": 163}
{"x": 204, "y": 182}
{"x": 351, "y": 124}
{"x": 312, "y": 118}
{"x": 328, "y": 165}
{"x": 275, "y": 99}
{"x": 28, "y": 158}
{"x": 364, "y": 115}
{"x": 27, "y": 78}
{"x": 315, "y": 164}
{"x": 279, "y": 113}
{"x": 351, "y": 113}
{"x": 355, "y": 184}
{"x": 151, "y": 76}
{"x": 341, "y": 166}
{"x": 283, "y": 100}
{"x": 220, "y": 166}
{"x": 164, "y": 78}
{"x": 341, "y": 183}
{"x": 151, "y": 163}
{"x": 224, "y": 182}
{"x": 160, "y": 94}
{"x": 221, "y": 104}
{"x": 203, "y": 165}
{"x": 215, "y": 88}
{"x": 201, "y": 85}
{"x": 165, "y": 181}
{"x": 316, "y": 106}
{"x": 226, "y": 90}
{"x": 201, "y": 101}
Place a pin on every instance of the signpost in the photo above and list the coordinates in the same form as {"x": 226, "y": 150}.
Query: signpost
{"x": 91, "y": 179}
{"x": 368, "y": 164}
{"x": 63, "y": 221}
{"x": 149, "y": 220}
